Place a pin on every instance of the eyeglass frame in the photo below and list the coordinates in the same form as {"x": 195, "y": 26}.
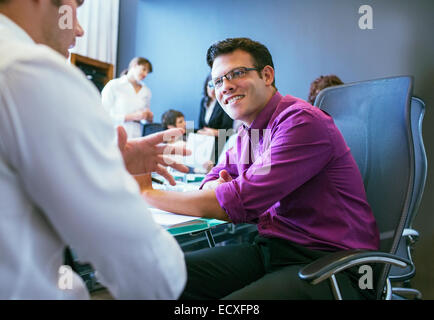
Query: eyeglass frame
{"x": 244, "y": 69}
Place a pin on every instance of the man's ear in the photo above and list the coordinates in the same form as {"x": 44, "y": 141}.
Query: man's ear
{"x": 268, "y": 75}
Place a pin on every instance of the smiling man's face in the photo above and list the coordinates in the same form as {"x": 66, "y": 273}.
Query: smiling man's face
{"x": 243, "y": 98}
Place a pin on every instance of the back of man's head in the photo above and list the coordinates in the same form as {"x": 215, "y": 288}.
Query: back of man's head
{"x": 260, "y": 54}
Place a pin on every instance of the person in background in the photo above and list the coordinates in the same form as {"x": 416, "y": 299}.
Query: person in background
{"x": 321, "y": 83}
{"x": 173, "y": 119}
{"x": 128, "y": 99}
{"x": 212, "y": 118}
{"x": 65, "y": 180}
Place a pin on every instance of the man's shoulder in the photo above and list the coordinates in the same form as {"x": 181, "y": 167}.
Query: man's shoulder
{"x": 15, "y": 52}
{"x": 291, "y": 103}
{"x": 291, "y": 108}
{"x": 39, "y": 63}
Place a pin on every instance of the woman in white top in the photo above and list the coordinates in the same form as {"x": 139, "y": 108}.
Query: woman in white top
{"x": 127, "y": 99}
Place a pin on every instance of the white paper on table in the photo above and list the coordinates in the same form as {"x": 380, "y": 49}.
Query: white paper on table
{"x": 202, "y": 148}
{"x": 169, "y": 219}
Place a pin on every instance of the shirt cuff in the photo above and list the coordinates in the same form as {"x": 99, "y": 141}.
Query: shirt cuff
{"x": 229, "y": 199}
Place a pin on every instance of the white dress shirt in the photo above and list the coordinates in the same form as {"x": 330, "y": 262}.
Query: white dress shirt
{"x": 63, "y": 182}
{"x": 120, "y": 98}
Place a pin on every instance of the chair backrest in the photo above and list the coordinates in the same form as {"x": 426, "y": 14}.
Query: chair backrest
{"x": 150, "y": 128}
{"x": 417, "y": 113}
{"x": 420, "y": 160}
{"x": 374, "y": 118}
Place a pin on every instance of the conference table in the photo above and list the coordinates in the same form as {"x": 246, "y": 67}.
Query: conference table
{"x": 179, "y": 225}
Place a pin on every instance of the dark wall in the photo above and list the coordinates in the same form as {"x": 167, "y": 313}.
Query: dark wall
{"x": 307, "y": 38}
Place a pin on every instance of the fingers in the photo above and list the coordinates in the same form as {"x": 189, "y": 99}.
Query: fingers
{"x": 224, "y": 175}
{"x": 208, "y": 131}
{"x": 170, "y": 162}
{"x": 172, "y": 149}
{"x": 122, "y": 137}
{"x": 163, "y": 172}
{"x": 163, "y": 136}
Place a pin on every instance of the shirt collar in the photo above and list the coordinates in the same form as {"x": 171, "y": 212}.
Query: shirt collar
{"x": 264, "y": 116}
{"x": 12, "y": 30}
{"x": 124, "y": 78}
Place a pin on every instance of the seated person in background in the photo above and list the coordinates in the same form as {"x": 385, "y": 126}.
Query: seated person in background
{"x": 321, "y": 83}
{"x": 291, "y": 173}
{"x": 173, "y": 119}
{"x": 128, "y": 99}
{"x": 212, "y": 118}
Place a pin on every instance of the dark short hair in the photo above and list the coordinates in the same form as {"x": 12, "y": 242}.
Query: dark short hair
{"x": 169, "y": 118}
{"x": 260, "y": 54}
{"x": 321, "y": 83}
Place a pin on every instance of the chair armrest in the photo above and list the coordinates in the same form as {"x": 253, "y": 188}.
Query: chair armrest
{"x": 410, "y": 232}
{"x": 328, "y": 265}
{"x": 411, "y": 235}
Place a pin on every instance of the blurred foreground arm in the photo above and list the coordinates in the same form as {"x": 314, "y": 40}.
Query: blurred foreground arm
{"x": 201, "y": 203}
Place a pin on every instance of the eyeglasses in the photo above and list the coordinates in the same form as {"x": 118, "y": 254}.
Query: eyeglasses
{"x": 232, "y": 75}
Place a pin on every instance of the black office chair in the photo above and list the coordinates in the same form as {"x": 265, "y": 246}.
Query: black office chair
{"x": 374, "y": 118}
{"x": 150, "y": 128}
{"x": 410, "y": 236}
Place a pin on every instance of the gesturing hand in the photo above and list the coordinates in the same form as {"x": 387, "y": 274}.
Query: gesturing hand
{"x": 148, "y": 154}
{"x": 208, "y": 132}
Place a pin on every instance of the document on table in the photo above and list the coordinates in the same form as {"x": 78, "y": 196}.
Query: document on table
{"x": 202, "y": 148}
{"x": 169, "y": 219}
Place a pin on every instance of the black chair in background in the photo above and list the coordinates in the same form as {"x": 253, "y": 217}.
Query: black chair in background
{"x": 150, "y": 128}
{"x": 374, "y": 118}
{"x": 410, "y": 235}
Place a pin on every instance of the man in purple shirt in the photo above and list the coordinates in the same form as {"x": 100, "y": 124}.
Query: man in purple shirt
{"x": 291, "y": 173}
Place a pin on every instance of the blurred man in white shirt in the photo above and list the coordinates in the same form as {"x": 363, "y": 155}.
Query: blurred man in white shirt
{"x": 63, "y": 179}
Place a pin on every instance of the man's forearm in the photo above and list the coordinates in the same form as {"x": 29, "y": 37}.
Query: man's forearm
{"x": 202, "y": 203}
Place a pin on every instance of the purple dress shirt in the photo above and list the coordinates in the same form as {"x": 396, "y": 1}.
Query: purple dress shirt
{"x": 297, "y": 180}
